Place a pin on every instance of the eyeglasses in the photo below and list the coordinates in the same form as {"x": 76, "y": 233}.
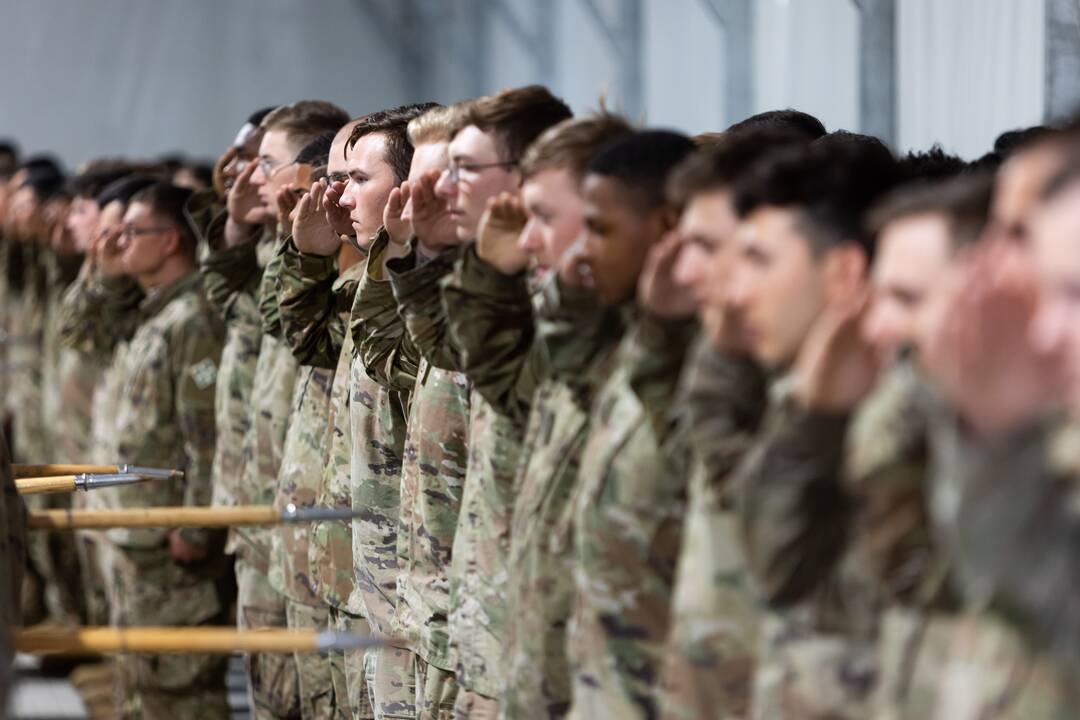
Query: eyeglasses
{"x": 130, "y": 231}
{"x": 455, "y": 169}
{"x": 269, "y": 169}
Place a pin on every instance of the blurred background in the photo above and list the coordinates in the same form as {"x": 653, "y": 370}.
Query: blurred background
{"x": 138, "y": 78}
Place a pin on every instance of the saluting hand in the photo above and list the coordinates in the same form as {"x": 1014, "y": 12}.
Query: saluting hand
{"x": 499, "y": 232}
{"x": 396, "y": 226}
{"x": 837, "y": 367}
{"x": 312, "y": 233}
{"x": 658, "y": 292}
{"x": 337, "y": 216}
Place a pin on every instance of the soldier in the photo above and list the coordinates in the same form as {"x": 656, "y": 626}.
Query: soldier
{"x": 253, "y": 210}
{"x": 403, "y": 347}
{"x": 627, "y": 512}
{"x": 1003, "y": 352}
{"x": 486, "y": 146}
{"x": 489, "y": 297}
{"x": 709, "y": 662}
{"x": 164, "y": 418}
{"x": 366, "y": 420}
{"x": 303, "y": 460}
{"x": 802, "y": 253}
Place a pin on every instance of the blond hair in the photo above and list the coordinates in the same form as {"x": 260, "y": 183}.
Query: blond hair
{"x": 571, "y": 143}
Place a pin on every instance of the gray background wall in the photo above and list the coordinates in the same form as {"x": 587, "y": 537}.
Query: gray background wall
{"x": 142, "y": 77}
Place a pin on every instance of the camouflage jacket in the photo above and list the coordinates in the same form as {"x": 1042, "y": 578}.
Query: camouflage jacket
{"x": 709, "y": 663}
{"x": 628, "y": 527}
{"x": 231, "y": 278}
{"x": 302, "y": 461}
{"x": 515, "y": 592}
{"x": 70, "y": 375}
{"x": 478, "y": 572}
{"x": 97, "y": 312}
{"x": 378, "y": 418}
{"x": 165, "y": 409}
{"x": 315, "y": 303}
{"x": 25, "y": 346}
{"x": 1006, "y": 507}
{"x": 412, "y": 345}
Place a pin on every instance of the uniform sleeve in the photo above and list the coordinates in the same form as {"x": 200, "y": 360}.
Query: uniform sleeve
{"x": 491, "y": 322}
{"x": 655, "y": 358}
{"x": 1018, "y": 535}
{"x": 418, "y": 291}
{"x": 97, "y": 312}
{"x": 719, "y": 406}
{"x": 309, "y": 309}
{"x": 378, "y": 331}
{"x": 793, "y": 506}
{"x": 197, "y": 353}
{"x": 228, "y": 274}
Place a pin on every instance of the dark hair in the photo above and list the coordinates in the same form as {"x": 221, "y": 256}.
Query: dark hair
{"x": 1013, "y": 141}
{"x": 393, "y": 124}
{"x": 9, "y": 158}
{"x": 257, "y": 117}
{"x": 789, "y": 119}
{"x": 43, "y": 176}
{"x": 830, "y": 182}
{"x": 929, "y": 165}
{"x": 515, "y": 117}
{"x": 642, "y": 161}
{"x": 721, "y": 163}
{"x": 571, "y": 143}
{"x": 202, "y": 172}
{"x": 90, "y": 184}
{"x": 317, "y": 152}
{"x": 963, "y": 201}
{"x": 121, "y": 190}
{"x": 305, "y": 120}
{"x": 168, "y": 201}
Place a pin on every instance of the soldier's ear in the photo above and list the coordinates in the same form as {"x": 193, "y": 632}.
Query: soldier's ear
{"x": 171, "y": 238}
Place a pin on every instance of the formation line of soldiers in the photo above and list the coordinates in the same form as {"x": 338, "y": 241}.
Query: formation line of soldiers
{"x": 766, "y": 423}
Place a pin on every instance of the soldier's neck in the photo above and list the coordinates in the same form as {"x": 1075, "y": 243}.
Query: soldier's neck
{"x": 174, "y": 268}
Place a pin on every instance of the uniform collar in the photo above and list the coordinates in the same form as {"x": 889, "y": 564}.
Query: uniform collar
{"x": 158, "y": 298}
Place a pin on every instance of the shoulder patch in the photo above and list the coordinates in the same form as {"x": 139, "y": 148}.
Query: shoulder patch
{"x": 204, "y": 373}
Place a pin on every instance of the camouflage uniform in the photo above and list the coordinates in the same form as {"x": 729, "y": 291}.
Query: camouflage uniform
{"x": 231, "y": 277}
{"x": 303, "y": 460}
{"x": 516, "y": 589}
{"x": 841, "y": 544}
{"x": 412, "y": 353}
{"x": 315, "y": 303}
{"x": 628, "y": 526}
{"x": 164, "y": 418}
{"x": 1005, "y": 508}
{"x": 709, "y": 663}
{"x": 96, "y": 318}
{"x": 274, "y": 676}
{"x": 67, "y": 383}
{"x": 378, "y": 413}
{"x": 26, "y": 325}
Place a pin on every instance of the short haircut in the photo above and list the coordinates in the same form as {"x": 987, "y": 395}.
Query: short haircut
{"x": 44, "y": 177}
{"x": 725, "y": 160}
{"x": 168, "y": 201}
{"x": 9, "y": 158}
{"x": 930, "y": 165}
{"x": 830, "y": 183}
{"x": 514, "y": 117}
{"x": 123, "y": 189}
{"x": 788, "y": 119}
{"x": 641, "y": 162}
{"x": 305, "y": 120}
{"x": 571, "y": 143}
{"x": 256, "y": 117}
{"x": 1013, "y": 141}
{"x": 393, "y": 124}
{"x": 962, "y": 201}
{"x": 90, "y": 184}
{"x": 433, "y": 126}
{"x": 317, "y": 152}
